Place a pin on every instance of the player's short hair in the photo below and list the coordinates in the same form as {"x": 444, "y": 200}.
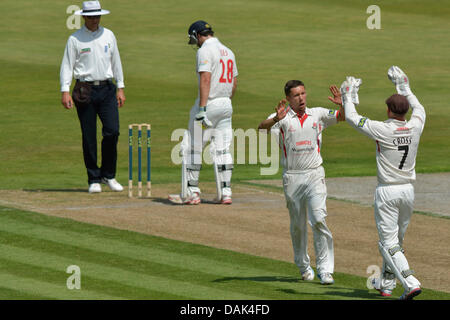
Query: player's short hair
{"x": 397, "y": 104}
{"x": 292, "y": 84}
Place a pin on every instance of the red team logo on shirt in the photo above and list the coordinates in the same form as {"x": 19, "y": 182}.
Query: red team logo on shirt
{"x": 302, "y": 143}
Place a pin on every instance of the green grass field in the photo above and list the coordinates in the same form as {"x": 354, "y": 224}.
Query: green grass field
{"x": 319, "y": 43}
{"x": 274, "y": 41}
{"x": 114, "y": 264}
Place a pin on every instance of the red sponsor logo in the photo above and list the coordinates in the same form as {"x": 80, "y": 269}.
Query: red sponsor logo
{"x": 402, "y": 129}
{"x": 304, "y": 142}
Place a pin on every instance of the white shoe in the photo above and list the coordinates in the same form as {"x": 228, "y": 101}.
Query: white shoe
{"x": 112, "y": 184}
{"x": 308, "y": 275}
{"x": 193, "y": 199}
{"x": 325, "y": 278}
{"x": 177, "y": 199}
{"x": 226, "y": 200}
{"x": 409, "y": 294}
{"x": 385, "y": 292}
{"x": 95, "y": 188}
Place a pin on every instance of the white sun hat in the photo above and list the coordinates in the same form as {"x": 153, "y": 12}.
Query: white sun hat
{"x": 91, "y": 8}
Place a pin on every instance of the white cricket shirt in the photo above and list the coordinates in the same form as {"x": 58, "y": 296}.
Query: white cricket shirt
{"x": 396, "y": 142}
{"x": 300, "y": 138}
{"x": 91, "y": 56}
{"x": 220, "y": 61}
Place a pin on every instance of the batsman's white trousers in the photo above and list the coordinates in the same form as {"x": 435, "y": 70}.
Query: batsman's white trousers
{"x": 219, "y": 111}
{"x": 306, "y": 195}
{"x": 393, "y": 210}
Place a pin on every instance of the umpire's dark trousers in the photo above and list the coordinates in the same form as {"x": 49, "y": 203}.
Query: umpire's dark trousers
{"x": 102, "y": 102}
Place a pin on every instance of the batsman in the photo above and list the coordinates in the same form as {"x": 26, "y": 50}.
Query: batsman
{"x": 210, "y": 117}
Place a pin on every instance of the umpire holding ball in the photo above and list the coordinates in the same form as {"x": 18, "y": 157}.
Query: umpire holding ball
{"x": 92, "y": 57}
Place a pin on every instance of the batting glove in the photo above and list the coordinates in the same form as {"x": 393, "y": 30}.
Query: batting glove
{"x": 401, "y": 81}
{"x": 201, "y": 116}
{"x": 349, "y": 90}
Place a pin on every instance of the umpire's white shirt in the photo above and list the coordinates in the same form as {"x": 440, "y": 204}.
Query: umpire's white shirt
{"x": 300, "y": 138}
{"x": 396, "y": 142}
{"x": 91, "y": 56}
{"x": 220, "y": 61}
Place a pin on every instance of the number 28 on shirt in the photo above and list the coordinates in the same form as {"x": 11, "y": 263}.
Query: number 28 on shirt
{"x": 227, "y": 71}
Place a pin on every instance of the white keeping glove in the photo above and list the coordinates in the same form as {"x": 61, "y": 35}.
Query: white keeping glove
{"x": 349, "y": 90}
{"x": 201, "y": 116}
{"x": 401, "y": 81}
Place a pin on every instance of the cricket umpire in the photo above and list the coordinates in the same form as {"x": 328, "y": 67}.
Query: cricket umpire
{"x": 92, "y": 57}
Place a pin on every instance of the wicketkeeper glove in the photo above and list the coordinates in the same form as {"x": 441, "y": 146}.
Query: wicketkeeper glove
{"x": 201, "y": 116}
{"x": 401, "y": 81}
{"x": 349, "y": 90}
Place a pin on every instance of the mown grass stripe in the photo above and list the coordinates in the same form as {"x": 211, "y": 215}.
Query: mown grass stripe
{"x": 58, "y": 277}
{"x": 13, "y": 294}
{"x": 175, "y": 272}
{"x": 148, "y": 267}
{"x": 279, "y": 282}
{"x": 198, "y": 259}
{"x": 35, "y": 287}
{"x": 194, "y": 257}
{"x": 270, "y": 286}
{"x": 107, "y": 273}
{"x": 108, "y": 237}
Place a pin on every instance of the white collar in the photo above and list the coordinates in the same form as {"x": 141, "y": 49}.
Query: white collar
{"x": 395, "y": 120}
{"x": 212, "y": 39}
{"x": 294, "y": 114}
{"x": 100, "y": 28}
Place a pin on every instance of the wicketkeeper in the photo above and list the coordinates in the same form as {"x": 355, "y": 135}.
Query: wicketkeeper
{"x": 397, "y": 141}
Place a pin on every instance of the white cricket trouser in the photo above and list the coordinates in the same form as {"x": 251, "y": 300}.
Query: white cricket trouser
{"x": 393, "y": 210}
{"x": 306, "y": 195}
{"x": 219, "y": 111}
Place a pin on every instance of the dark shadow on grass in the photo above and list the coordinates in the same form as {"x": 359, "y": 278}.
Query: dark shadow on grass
{"x": 166, "y": 201}
{"x": 327, "y": 293}
{"x": 357, "y": 293}
{"x": 259, "y": 279}
{"x": 56, "y": 190}
{"x": 288, "y": 291}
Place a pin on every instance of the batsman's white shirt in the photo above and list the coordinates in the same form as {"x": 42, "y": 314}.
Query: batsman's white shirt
{"x": 220, "y": 61}
{"x": 396, "y": 142}
{"x": 91, "y": 56}
{"x": 300, "y": 138}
